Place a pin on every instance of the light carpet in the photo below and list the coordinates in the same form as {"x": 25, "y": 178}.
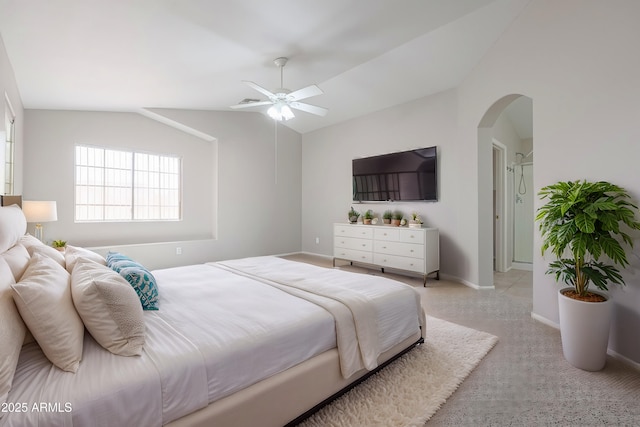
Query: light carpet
{"x": 411, "y": 389}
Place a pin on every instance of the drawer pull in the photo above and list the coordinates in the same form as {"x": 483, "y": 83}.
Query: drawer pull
{"x": 411, "y": 251}
{"x": 364, "y": 244}
{"x": 412, "y": 236}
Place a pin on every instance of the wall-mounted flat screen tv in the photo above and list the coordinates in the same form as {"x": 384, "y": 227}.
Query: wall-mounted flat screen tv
{"x": 406, "y": 175}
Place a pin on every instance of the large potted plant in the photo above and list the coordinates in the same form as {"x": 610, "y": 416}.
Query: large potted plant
{"x": 581, "y": 223}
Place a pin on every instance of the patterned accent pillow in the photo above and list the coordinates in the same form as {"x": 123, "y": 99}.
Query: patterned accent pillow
{"x": 144, "y": 284}
{"x": 113, "y": 257}
{"x": 120, "y": 264}
{"x": 139, "y": 277}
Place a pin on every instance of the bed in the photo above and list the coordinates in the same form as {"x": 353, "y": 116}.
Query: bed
{"x": 254, "y": 341}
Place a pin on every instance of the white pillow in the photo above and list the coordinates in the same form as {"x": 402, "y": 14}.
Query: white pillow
{"x": 43, "y": 297}
{"x": 48, "y": 251}
{"x": 29, "y": 241}
{"x": 109, "y": 308}
{"x": 13, "y": 225}
{"x": 18, "y": 259}
{"x": 12, "y": 331}
{"x": 72, "y": 253}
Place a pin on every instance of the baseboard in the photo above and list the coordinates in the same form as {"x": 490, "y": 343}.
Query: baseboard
{"x": 545, "y": 321}
{"x": 633, "y": 364}
{"x": 329, "y": 257}
{"x": 522, "y": 266}
{"x": 463, "y": 281}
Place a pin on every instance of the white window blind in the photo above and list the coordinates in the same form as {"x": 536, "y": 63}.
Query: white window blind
{"x": 118, "y": 185}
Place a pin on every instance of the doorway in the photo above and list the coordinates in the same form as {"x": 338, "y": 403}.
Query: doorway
{"x": 505, "y": 130}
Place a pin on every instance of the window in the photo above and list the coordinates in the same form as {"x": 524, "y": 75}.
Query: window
{"x": 118, "y": 185}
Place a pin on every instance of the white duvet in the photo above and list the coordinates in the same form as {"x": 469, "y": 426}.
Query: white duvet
{"x": 216, "y": 332}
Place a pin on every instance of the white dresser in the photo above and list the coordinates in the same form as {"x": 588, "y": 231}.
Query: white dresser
{"x": 410, "y": 249}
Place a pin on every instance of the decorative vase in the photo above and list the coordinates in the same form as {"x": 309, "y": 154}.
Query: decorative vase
{"x": 353, "y": 219}
{"x": 584, "y": 328}
{"x": 387, "y": 220}
{"x": 395, "y": 222}
{"x": 367, "y": 221}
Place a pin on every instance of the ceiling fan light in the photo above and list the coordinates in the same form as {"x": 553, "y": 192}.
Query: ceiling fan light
{"x": 275, "y": 113}
{"x": 286, "y": 112}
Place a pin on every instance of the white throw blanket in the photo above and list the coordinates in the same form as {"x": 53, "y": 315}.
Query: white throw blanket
{"x": 356, "y": 320}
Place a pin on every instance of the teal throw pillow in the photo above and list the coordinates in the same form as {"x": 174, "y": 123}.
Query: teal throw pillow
{"x": 144, "y": 284}
{"x": 139, "y": 277}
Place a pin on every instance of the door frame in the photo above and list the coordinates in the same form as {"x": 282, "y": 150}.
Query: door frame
{"x": 500, "y": 205}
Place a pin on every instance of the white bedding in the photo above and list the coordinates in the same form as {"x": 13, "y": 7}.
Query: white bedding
{"x": 370, "y": 312}
{"x": 216, "y": 332}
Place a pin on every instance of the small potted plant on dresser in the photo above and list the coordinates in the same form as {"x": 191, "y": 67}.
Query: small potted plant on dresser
{"x": 367, "y": 217}
{"x": 397, "y": 218}
{"x": 415, "y": 221}
{"x": 387, "y": 216}
{"x": 580, "y": 223}
{"x": 353, "y": 215}
{"x": 59, "y": 245}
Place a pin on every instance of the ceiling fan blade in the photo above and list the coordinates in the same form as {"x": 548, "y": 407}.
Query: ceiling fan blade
{"x": 305, "y": 92}
{"x": 251, "y": 104}
{"x": 313, "y": 109}
{"x": 259, "y": 88}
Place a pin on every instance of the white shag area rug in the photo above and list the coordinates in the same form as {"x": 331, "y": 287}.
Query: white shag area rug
{"x": 411, "y": 389}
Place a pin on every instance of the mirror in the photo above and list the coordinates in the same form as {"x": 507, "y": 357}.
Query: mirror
{"x": 7, "y": 139}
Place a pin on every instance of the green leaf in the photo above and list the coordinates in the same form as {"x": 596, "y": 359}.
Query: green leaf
{"x": 585, "y": 223}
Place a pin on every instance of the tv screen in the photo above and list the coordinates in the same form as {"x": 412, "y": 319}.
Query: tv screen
{"x": 407, "y": 175}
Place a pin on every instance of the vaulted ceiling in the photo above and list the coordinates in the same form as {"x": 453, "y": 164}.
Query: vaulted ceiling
{"x": 366, "y": 55}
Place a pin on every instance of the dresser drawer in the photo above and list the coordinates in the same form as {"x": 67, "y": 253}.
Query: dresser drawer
{"x": 353, "y": 231}
{"x": 387, "y": 234}
{"x": 402, "y": 263}
{"x": 353, "y": 243}
{"x": 412, "y": 236}
{"x": 399, "y": 248}
{"x": 353, "y": 255}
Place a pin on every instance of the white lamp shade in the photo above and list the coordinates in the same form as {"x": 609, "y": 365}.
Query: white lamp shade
{"x": 40, "y": 211}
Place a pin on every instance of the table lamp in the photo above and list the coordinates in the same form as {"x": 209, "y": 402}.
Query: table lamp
{"x": 38, "y": 212}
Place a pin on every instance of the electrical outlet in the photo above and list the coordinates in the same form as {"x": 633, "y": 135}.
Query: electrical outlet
{"x": 178, "y": 250}
{"x": 317, "y": 240}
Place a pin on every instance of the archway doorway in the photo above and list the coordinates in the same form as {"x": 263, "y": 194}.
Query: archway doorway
{"x": 505, "y": 169}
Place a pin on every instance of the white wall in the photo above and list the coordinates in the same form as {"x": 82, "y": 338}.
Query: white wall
{"x": 49, "y": 158}
{"x": 9, "y": 86}
{"x": 255, "y": 216}
{"x": 577, "y": 60}
{"x": 326, "y": 166}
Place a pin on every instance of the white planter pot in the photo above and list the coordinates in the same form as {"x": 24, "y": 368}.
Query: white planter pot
{"x": 584, "y": 327}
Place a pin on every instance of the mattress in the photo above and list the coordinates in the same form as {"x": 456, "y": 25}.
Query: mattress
{"x": 217, "y": 332}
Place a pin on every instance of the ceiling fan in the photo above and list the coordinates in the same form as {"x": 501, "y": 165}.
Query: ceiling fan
{"x": 283, "y": 100}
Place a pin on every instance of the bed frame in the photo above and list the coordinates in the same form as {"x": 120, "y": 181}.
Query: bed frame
{"x": 291, "y": 396}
